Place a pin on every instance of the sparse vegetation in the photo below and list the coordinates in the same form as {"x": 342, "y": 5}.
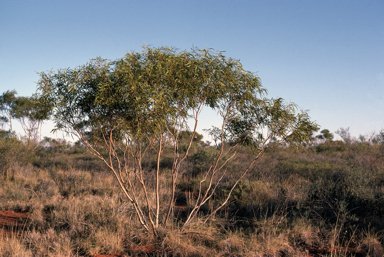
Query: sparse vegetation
{"x": 141, "y": 181}
{"x": 296, "y": 200}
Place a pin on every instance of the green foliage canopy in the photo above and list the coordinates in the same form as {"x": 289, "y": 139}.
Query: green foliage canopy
{"x": 147, "y": 93}
{"x": 325, "y": 135}
{"x": 28, "y": 110}
{"x": 7, "y": 100}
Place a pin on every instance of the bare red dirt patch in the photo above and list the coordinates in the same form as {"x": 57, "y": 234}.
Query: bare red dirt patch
{"x": 12, "y": 223}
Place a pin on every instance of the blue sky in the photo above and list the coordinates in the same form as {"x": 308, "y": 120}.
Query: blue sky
{"x": 326, "y": 56}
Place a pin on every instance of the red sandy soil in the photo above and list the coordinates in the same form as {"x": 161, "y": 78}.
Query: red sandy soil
{"x": 10, "y": 218}
{"x": 180, "y": 208}
{"x": 12, "y": 223}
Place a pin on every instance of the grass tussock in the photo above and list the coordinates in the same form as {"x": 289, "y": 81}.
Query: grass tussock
{"x": 13, "y": 247}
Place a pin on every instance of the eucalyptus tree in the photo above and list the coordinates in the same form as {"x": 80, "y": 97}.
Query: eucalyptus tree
{"x": 142, "y": 103}
{"x": 31, "y": 114}
{"x": 7, "y": 141}
{"x": 7, "y": 100}
{"x": 27, "y": 110}
{"x": 325, "y": 135}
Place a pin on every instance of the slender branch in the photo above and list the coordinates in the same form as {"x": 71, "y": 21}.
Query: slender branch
{"x": 96, "y": 153}
{"x": 157, "y": 181}
{"x": 214, "y": 171}
{"x": 177, "y": 165}
{"x": 234, "y": 185}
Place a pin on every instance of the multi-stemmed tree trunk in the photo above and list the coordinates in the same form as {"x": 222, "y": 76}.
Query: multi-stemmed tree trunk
{"x": 140, "y": 105}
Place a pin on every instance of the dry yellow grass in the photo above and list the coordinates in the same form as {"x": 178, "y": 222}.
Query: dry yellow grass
{"x": 75, "y": 212}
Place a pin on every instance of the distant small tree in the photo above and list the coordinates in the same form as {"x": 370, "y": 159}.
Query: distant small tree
{"x": 141, "y": 104}
{"x": 27, "y": 110}
{"x": 325, "y": 135}
{"x": 7, "y": 100}
{"x": 345, "y": 135}
{"x": 31, "y": 115}
{"x": 379, "y": 138}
